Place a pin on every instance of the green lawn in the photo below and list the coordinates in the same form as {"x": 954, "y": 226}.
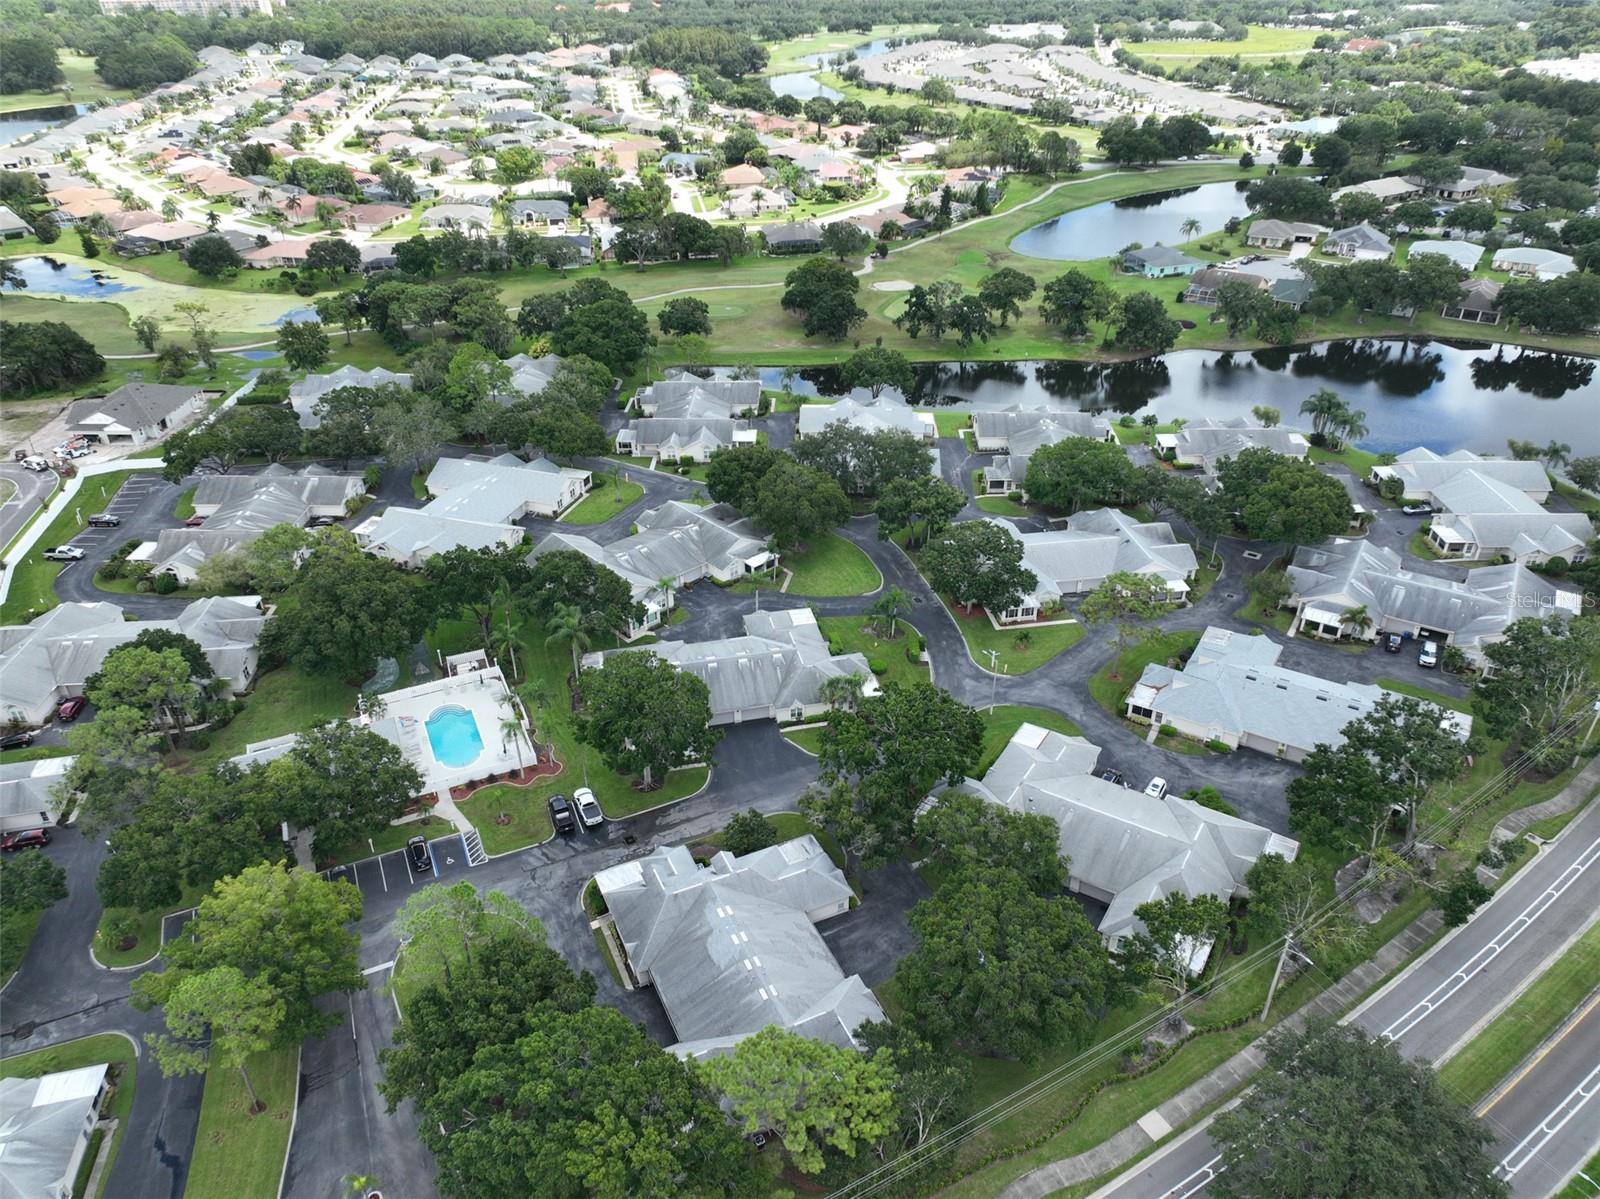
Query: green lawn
{"x": 1587, "y": 1185}
{"x": 831, "y": 565}
{"x": 1435, "y": 697}
{"x": 1523, "y": 1026}
{"x": 392, "y": 837}
{"x": 110, "y": 1048}
{"x": 236, "y": 1153}
{"x": 81, "y": 86}
{"x": 1013, "y": 656}
{"x": 149, "y": 927}
{"x": 16, "y": 934}
{"x": 184, "y": 508}
{"x": 33, "y": 579}
{"x": 809, "y": 740}
{"x": 1359, "y": 461}
{"x": 1110, "y": 683}
{"x": 857, "y": 635}
{"x": 1261, "y": 42}
{"x": 1000, "y": 505}
{"x": 949, "y": 424}
{"x": 100, "y": 321}
{"x": 608, "y": 498}
{"x": 1006, "y": 719}
{"x": 285, "y": 700}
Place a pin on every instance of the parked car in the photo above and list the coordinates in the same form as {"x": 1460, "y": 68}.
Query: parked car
{"x": 83, "y": 451}
{"x": 1113, "y": 775}
{"x": 71, "y": 708}
{"x": 35, "y": 463}
{"x": 194, "y": 522}
{"x": 1418, "y": 509}
{"x": 1156, "y": 788}
{"x": 322, "y": 522}
{"x": 417, "y": 853}
{"x": 62, "y": 553}
{"x": 588, "y": 808}
{"x": 30, "y": 838}
{"x": 1428, "y": 655}
{"x": 1392, "y": 643}
{"x": 104, "y": 520}
{"x": 561, "y": 814}
{"x": 16, "y": 740}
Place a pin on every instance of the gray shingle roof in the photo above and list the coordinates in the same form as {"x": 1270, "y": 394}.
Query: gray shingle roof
{"x": 44, "y": 1122}
{"x": 871, "y": 415}
{"x": 25, "y": 791}
{"x": 1100, "y": 543}
{"x": 135, "y": 405}
{"x": 679, "y": 541}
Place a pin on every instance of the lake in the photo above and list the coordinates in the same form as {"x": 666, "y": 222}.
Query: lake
{"x": 45, "y": 274}
{"x": 1100, "y": 230}
{"x": 19, "y": 124}
{"x": 1446, "y": 396}
{"x": 806, "y": 86}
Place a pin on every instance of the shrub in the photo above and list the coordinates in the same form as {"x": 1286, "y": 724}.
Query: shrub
{"x": 1218, "y": 747}
{"x": 305, "y": 288}
{"x": 200, "y": 740}
{"x": 1014, "y": 496}
{"x": 112, "y": 569}
{"x": 1127, "y": 421}
{"x": 747, "y": 832}
{"x": 138, "y": 570}
{"x": 1556, "y": 566}
{"x": 164, "y": 583}
{"x": 593, "y": 900}
{"x": 120, "y": 932}
{"x": 877, "y": 665}
{"x": 913, "y": 646}
{"x": 1168, "y": 730}
{"x": 1210, "y": 797}
{"x": 371, "y": 477}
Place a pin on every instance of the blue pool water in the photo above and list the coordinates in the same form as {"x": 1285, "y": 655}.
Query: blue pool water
{"x": 454, "y": 735}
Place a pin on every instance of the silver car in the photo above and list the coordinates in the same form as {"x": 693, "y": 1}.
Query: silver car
{"x": 588, "y": 808}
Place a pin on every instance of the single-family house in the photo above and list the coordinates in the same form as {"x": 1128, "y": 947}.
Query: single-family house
{"x": 305, "y": 395}
{"x": 1469, "y": 185}
{"x": 796, "y": 237}
{"x": 1283, "y": 282}
{"x": 1468, "y": 610}
{"x": 1232, "y": 691}
{"x": 1123, "y": 848}
{"x": 1158, "y": 262}
{"x": 554, "y": 215}
{"x": 1464, "y": 254}
{"x": 1389, "y": 190}
{"x": 871, "y": 416}
{"x": 1204, "y": 443}
{"x": 27, "y": 792}
{"x": 1479, "y": 302}
{"x": 1359, "y": 243}
{"x": 1530, "y": 262}
{"x": 674, "y": 440}
{"x": 731, "y": 946}
{"x": 468, "y": 217}
{"x": 689, "y": 397}
{"x": 476, "y": 503}
{"x": 1077, "y": 559}
{"x": 743, "y": 175}
{"x": 50, "y": 659}
{"x": 12, "y": 226}
{"x": 135, "y": 413}
{"x": 157, "y": 236}
{"x": 1269, "y": 234}
{"x": 369, "y": 218}
{"x": 49, "y": 1123}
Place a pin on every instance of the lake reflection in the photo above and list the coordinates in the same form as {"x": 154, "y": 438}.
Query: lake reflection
{"x": 1100, "y": 230}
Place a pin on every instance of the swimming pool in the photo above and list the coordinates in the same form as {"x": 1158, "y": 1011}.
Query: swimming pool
{"x": 454, "y": 735}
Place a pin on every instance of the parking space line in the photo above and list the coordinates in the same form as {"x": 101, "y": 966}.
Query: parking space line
{"x": 411, "y": 878}
{"x": 383, "y": 874}
{"x": 354, "y": 876}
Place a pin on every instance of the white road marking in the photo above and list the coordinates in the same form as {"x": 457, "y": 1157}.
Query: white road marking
{"x": 384, "y": 875}
{"x": 1560, "y": 1116}
{"x": 380, "y": 967}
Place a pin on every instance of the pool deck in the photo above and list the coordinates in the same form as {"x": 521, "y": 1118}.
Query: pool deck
{"x": 481, "y": 693}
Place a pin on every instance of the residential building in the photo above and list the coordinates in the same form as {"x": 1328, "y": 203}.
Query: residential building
{"x": 49, "y": 1120}
{"x": 1530, "y": 262}
{"x": 1472, "y": 183}
{"x": 1269, "y": 234}
{"x": 1123, "y": 848}
{"x": 156, "y": 237}
{"x": 1483, "y": 517}
{"x": 674, "y": 440}
{"x": 797, "y": 237}
{"x": 872, "y": 416}
{"x": 1159, "y": 262}
{"x": 1232, "y": 691}
{"x": 1077, "y": 559}
{"x": 774, "y": 672}
{"x": 12, "y": 226}
{"x": 135, "y": 413}
{"x": 369, "y": 218}
{"x": 305, "y": 395}
{"x": 1389, "y": 190}
{"x": 742, "y": 175}
{"x": 1281, "y": 281}
{"x": 554, "y": 215}
{"x": 1204, "y": 443}
{"x": 1479, "y": 302}
{"x": 476, "y": 503}
{"x": 1015, "y": 435}
{"x": 1359, "y": 243}
{"x": 731, "y": 946}
{"x": 689, "y": 397}
{"x": 27, "y": 793}
{"x": 469, "y": 217}
{"x": 1464, "y": 254}
{"x": 1469, "y": 610}
{"x": 1422, "y": 472}
{"x": 50, "y": 659}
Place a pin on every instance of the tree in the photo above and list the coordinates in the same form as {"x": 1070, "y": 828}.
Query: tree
{"x": 1585, "y": 472}
{"x": 1072, "y": 300}
{"x": 1001, "y": 970}
{"x": 685, "y": 315}
{"x": 332, "y": 256}
{"x": 570, "y": 577}
{"x": 747, "y": 832}
{"x": 922, "y": 505}
{"x": 1125, "y": 599}
{"x": 411, "y": 433}
{"x": 1288, "y": 198}
{"x": 814, "y": 1095}
{"x": 28, "y": 64}
{"x": 28, "y": 884}
{"x": 344, "y": 781}
{"x": 1464, "y": 894}
{"x": 1267, "y": 416}
{"x": 979, "y": 563}
{"x": 932, "y": 1090}
{"x": 44, "y": 356}
{"x": 284, "y": 930}
{"x": 1143, "y": 324}
{"x": 142, "y": 61}
{"x": 469, "y": 578}
{"x": 646, "y": 716}
{"x": 582, "y": 1104}
{"x": 863, "y": 462}
{"x": 347, "y": 609}
{"x": 929, "y": 308}
{"x": 823, "y": 291}
{"x": 154, "y": 683}
{"x": 879, "y": 762}
{"x": 734, "y": 476}
{"x": 1059, "y": 155}
{"x": 1080, "y": 471}
{"x": 1239, "y": 306}
{"x": 213, "y": 257}
{"x": 570, "y": 624}
{"x": 1289, "y": 896}
{"x": 237, "y": 1016}
{"x": 875, "y": 369}
{"x": 304, "y": 344}
{"x": 1005, "y": 291}
{"x": 845, "y": 240}
{"x": 1540, "y": 672}
{"x": 147, "y": 331}
{"x": 970, "y": 319}
{"x": 794, "y": 502}
{"x": 612, "y": 331}
{"x": 1283, "y": 499}
{"x": 967, "y": 833}
{"x": 1339, "y": 1112}
{"x": 343, "y": 309}
{"x": 1178, "y": 931}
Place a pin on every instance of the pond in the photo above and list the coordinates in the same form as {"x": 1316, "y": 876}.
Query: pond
{"x": 19, "y": 124}
{"x": 1102, "y": 229}
{"x": 804, "y": 85}
{"x": 44, "y": 274}
{"x": 1446, "y": 396}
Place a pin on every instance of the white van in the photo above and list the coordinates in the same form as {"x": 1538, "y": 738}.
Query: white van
{"x": 35, "y": 463}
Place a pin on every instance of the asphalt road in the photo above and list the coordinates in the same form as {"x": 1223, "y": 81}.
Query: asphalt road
{"x": 1438, "y": 1003}
{"x": 32, "y": 488}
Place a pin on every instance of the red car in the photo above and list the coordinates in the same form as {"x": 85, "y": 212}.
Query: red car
{"x": 70, "y": 708}
{"x": 32, "y": 838}
{"x": 194, "y": 522}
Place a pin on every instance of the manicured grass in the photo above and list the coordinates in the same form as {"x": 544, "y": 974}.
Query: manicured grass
{"x": 1433, "y": 697}
{"x": 949, "y": 424}
{"x": 809, "y": 740}
{"x": 858, "y": 635}
{"x": 110, "y": 1048}
{"x": 1000, "y": 724}
{"x": 608, "y": 955}
{"x": 1043, "y": 641}
{"x": 1359, "y": 461}
{"x": 608, "y": 498}
{"x": 33, "y": 579}
{"x": 1520, "y": 1029}
{"x": 285, "y": 700}
{"x": 831, "y": 565}
{"x": 237, "y": 1153}
{"x": 392, "y": 837}
{"x": 16, "y": 934}
{"x": 32, "y": 753}
{"x": 1587, "y": 1184}
{"x": 184, "y": 508}
{"x": 1260, "y": 42}
{"x": 81, "y": 86}
{"x": 1252, "y": 611}
{"x": 149, "y": 942}
{"x": 999, "y": 505}
{"x": 1111, "y": 682}
{"x": 529, "y": 822}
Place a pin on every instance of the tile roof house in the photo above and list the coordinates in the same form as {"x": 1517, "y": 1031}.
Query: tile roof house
{"x": 1077, "y": 559}
{"x": 306, "y": 394}
{"x": 49, "y": 1122}
{"x": 1422, "y": 472}
{"x": 1204, "y": 443}
{"x": 681, "y": 542}
{"x": 731, "y": 947}
{"x": 1359, "y": 243}
{"x": 775, "y": 671}
{"x": 47, "y": 661}
{"x": 1232, "y": 690}
{"x": 1015, "y": 435}
{"x": 135, "y": 413}
{"x": 26, "y": 793}
{"x": 869, "y": 415}
{"x": 689, "y": 397}
{"x": 1158, "y": 262}
{"x": 1468, "y": 611}
{"x": 1124, "y": 848}
{"x": 476, "y": 503}
{"x": 1486, "y": 518}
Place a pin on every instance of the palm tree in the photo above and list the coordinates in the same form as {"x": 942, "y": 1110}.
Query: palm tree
{"x": 1352, "y": 426}
{"x": 1556, "y": 454}
{"x": 888, "y": 608}
{"x": 511, "y": 730}
{"x": 1190, "y": 229}
{"x": 666, "y": 584}
{"x": 569, "y": 625}
{"x": 170, "y": 210}
{"x": 1358, "y": 617}
{"x": 1323, "y": 407}
{"x": 510, "y": 632}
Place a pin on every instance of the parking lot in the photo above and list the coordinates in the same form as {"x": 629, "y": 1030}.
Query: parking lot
{"x": 129, "y": 500}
